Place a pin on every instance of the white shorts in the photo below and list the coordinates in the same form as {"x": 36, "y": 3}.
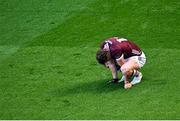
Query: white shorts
{"x": 141, "y": 60}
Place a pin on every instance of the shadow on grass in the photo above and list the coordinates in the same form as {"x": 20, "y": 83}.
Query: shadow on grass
{"x": 99, "y": 86}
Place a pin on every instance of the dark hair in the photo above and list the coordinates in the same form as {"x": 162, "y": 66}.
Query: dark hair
{"x": 101, "y": 56}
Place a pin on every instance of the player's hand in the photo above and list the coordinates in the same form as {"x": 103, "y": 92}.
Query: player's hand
{"x": 114, "y": 81}
{"x": 127, "y": 85}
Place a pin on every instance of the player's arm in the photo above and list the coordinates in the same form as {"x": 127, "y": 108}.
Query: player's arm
{"x": 112, "y": 67}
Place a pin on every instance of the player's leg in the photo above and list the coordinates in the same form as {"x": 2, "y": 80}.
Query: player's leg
{"x": 137, "y": 76}
{"x": 127, "y": 70}
{"x": 141, "y": 60}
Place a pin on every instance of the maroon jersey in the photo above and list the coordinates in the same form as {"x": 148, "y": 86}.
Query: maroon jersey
{"x": 121, "y": 46}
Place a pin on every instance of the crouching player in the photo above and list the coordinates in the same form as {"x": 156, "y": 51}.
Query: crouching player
{"x": 121, "y": 54}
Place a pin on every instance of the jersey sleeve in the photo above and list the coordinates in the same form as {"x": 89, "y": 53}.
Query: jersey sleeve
{"x": 119, "y": 56}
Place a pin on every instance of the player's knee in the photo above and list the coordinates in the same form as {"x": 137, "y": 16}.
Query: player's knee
{"x": 129, "y": 73}
{"x": 124, "y": 70}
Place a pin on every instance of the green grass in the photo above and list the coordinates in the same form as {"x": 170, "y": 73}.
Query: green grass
{"x": 47, "y": 59}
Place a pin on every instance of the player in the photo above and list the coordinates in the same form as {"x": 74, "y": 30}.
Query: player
{"x": 121, "y": 54}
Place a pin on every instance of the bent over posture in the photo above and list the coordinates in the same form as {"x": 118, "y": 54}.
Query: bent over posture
{"x": 121, "y": 54}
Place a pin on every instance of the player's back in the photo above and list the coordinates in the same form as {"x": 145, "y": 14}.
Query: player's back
{"x": 120, "y": 46}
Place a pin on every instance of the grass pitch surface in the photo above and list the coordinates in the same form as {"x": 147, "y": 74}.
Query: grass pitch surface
{"x": 47, "y": 59}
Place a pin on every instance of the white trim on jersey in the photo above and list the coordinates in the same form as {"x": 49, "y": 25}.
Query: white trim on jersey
{"x": 108, "y": 42}
{"x": 122, "y": 56}
{"x": 121, "y": 40}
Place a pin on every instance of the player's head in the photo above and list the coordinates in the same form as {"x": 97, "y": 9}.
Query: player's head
{"x": 102, "y": 56}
